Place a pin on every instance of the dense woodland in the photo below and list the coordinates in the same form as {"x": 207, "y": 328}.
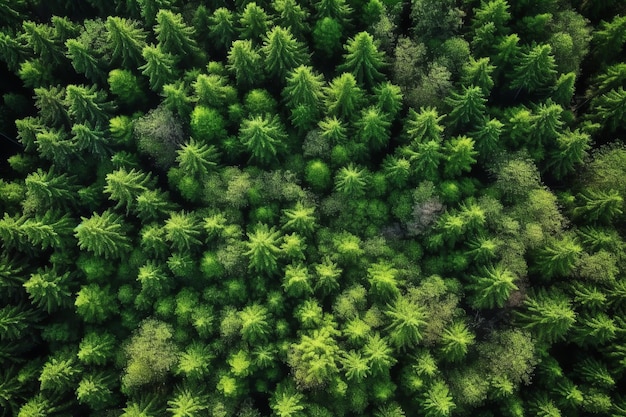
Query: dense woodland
{"x": 312, "y": 208}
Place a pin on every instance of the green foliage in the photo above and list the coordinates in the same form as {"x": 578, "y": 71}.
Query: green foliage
{"x": 263, "y": 250}
{"x": 244, "y": 61}
{"x": 126, "y": 39}
{"x": 406, "y": 322}
{"x": 48, "y": 290}
{"x": 263, "y": 137}
{"x": 103, "y": 235}
{"x": 493, "y": 287}
{"x": 343, "y": 96}
{"x": 549, "y": 314}
{"x": 150, "y": 355}
{"x": 282, "y": 52}
{"x": 362, "y": 59}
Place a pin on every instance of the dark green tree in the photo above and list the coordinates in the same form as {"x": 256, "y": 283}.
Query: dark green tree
{"x": 548, "y": 314}
{"x": 85, "y": 61}
{"x": 282, "y": 52}
{"x": 95, "y": 303}
{"x": 362, "y": 59}
{"x": 343, "y": 96}
{"x": 222, "y": 27}
{"x": 468, "y": 107}
{"x": 159, "y": 67}
{"x": 254, "y": 22}
{"x": 88, "y": 105}
{"x": 373, "y": 128}
{"x": 174, "y": 36}
{"x": 126, "y": 86}
{"x": 292, "y": 16}
{"x": 244, "y": 61}
{"x": 264, "y": 137}
{"x": 48, "y": 289}
{"x": 493, "y": 287}
{"x": 126, "y": 39}
{"x": 536, "y": 69}
{"x": 327, "y": 34}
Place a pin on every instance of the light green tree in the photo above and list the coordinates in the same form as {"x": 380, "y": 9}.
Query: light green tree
{"x": 263, "y": 249}
{"x": 282, "y": 52}
{"x": 103, "y": 234}
{"x": 263, "y": 136}
{"x": 125, "y": 186}
{"x": 48, "y": 290}
{"x": 126, "y": 39}
{"x": 535, "y": 70}
{"x": 174, "y": 36}
{"x": 95, "y": 303}
{"x": 244, "y": 60}
{"x": 493, "y": 286}
{"x": 343, "y": 96}
{"x": 548, "y": 314}
{"x": 159, "y": 67}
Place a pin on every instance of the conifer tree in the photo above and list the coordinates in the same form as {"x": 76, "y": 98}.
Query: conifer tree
{"x": 548, "y": 314}
{"x": 95, "y": 390}
{"x": 48, "y": 290}
{"x": 159, "y": 67}
{"x": 104, "y": 234}
{"x": 91, "y": 140}
{"x": 126, "y": 86}
{"x": 536, "y": 69}
{"x": 343, "y": 96}
{"x": 263, "y": 249}
{"x": 254, "y": 22}
{"x": 304, "y": 88}
{"x": 96, "y": 348}
{"x": 351, "y": 181}
{"x": 182, "y": 231}
{"x": 282, "y": 52}
{"x": 87, "y": 105}
{"x": 609, "y": 108}
{"x": 244, "y": 61}
{"x": 379, "y": 354}
{"x": 559, "y": 257}
{"x": 437, "y": 401}
{"x": 126, "y": 39}
{"x": 95, "y": 303}
{"x": 407, "y": 321}
{"x": 373, "y": 128}
{"x": 12, "y": 50}
{"x": 174, "y": 36}
{"x": 459, "y": 156}
{"x": 85, "y": 61}
{"x": 187, "y": 402}
{"x": 222, "y": 27}
{"x": 44, "y": 42}
{"x": 599, "y": 206}
{"x": 263, "y": 136}
{"x": 58, "y": 375}
{"x": 314, "y": 358}
{"x": 292, "y": 16}
{"x": 363, "y": 60}
{"x": 609, "y": 38}
{"x": 468, "y": 107}
{"x": 125, "y": 186}
{"x": 197, "y": 159}
{"x": 51, "y": 106}
{"x": 493, "y": 287}
{"x": 50, "y": 189}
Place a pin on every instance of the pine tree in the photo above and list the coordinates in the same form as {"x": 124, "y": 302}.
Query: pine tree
{"x": 437, "y": 401}
{"x": 125, "y": 186}
{"x": 599, "y": 206}
{"x": 222, "y": 28}
{"x": 95, "y": 390}
{"x": 15, "y": 322}
{"x": 304, "y": 88}
{"x": 187, "y": 403}
{"x": 609, "y": 108}
{"x": 127, "y": 40}
{"x": 48, "y": 290}
{"x": 424, "y": 126}
{"x": 51, "y": 106}
{"x": 327, "y": 35}
{"x": 468, "y": 107}
{"x": 12, "y": 50}
{"x": 425, "y": 159}
{"x": 609, "y": 38}
{"x": 300, "y": 219}
{"x": 559, "y": 257}
{"x": 535, "y": 70}
{"x": 126, "y": 86}
{"x": 104, "y": 234}
{"x": 459, "y": 156}
{"x": 549, "y": 314}
{"x": 255, "y": 326}
{"x": 297, "y": 281}
{"x": 95, "y": 304}
{"x": 373, "y": 128}
{"x": 334, "y": 9}
{"x": 159, "y": 67}
{"x": 88, "y": 105}
{"x": 182, "y": 231}
{"x": 244, "y": 61}
{"x": 282, "y": 52}
{"x": 493, "y": 287}
{"x": 388, "y": 98}
{"x": 263, "y": 136}
{"x": 313, "y": 359}
{"x": 58, "y": 375}
{"x": 254, "y": 22}
{"x": 362, "y": 59}
{"x": 197, "y": 159}
{"x": 50, "y": 189}
{"x": 263, "y": 250}
{"x": 455, "y": 341}
{"x": 355, "y": 366}
{"x": 407, "y": 321}
{"x": 85, "y": 61}
{"x": 97, "y": 348}
{"x": 351, "y": 181}
{"x": 292, "y": 16}
{"x": 174, "y": 36}
{"x": 91, "y": 141}
{"x": 479, "y": 73}
{"x": 378, "y": 354}
{"x": 44, "y": 42}
{"x": 286, "y": 401}
{"x": 343, "y": 96}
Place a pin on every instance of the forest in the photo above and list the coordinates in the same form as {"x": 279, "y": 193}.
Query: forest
{"x": 312, "y": 208}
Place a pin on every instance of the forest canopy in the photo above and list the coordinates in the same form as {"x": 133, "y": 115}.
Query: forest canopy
{"x": 316, "y": 208}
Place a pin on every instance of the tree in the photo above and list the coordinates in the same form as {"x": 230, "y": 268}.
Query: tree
{"x": 459, "y": 156}
{"x": 197, "y": 158}
{"x": 292, "y": 16}
{"x": 478, "y": 73}
{"x": 87, "y": 105}
{"x": 159, "y": 66}
{"x": 609, "y": 108}
{"x": 263, "y": 136}
{"x": 174, "y": 36}
{"x": 50, "y": 105}
{"x": 407, "y": 321}
{"x": 343, "y": 96}
{"x": 314, "y": 357}
{"x": 150, "y": 355}
{"x": 455, "y": 341}
{"x": 425, "y": 159}
{"x": 487, "y": 138}
{"x": 388, "y": 98}
{"x": 96, "y": 348}
{"x": 58, "y": 374}
{"x": 378, "y": 353}
{"x": 263, "y": 250}
{"x": 495, "y": 12}
{"x": 255, "y": 326}
{"x": 351, "y": 181}
{"x": 221, "y": 27}
{"x": 104, "y": 234}
{"x": 437, "y": 401}
{"x": 85, "y": 61}
{"x": 15, "y": 322}
{"x": 287, "y": 401}
{"x": 438, "y": 19}
{"x": 244, "y": 61}
{"x": 254, "y": 22}
{"x": 282, "y": 52}
{"x": 182, "y": 231}
{"x": 468, "y": 107}
{"x": 609, "y": 38}
{"x": 559, "y": 257}
{"x": 49, "y": 189}
{"x": 158, "y": 134}
{"x": 126, "y": 86}
{"x": 125, "y": 186}
{"x": 48, "y": 290}
{"x": 373, "y": 128}
{"x": 327, "y": 34}
{"x": 127, "y": 40}
{"x": 548, "y": 314}
{"x": 493, "y": 286}
{"x": 304, "y": 88}
{"x": 536, "y": 69}
{"x": 95, "y": 304}
{"x": 599, "y": 206}
{"x": 96, "y": 390}
{"x": 150, "y": 8}
{"x": 362, "y": 59}
{"x": 44, "y": 42}
{"x": 187, "y": 403}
